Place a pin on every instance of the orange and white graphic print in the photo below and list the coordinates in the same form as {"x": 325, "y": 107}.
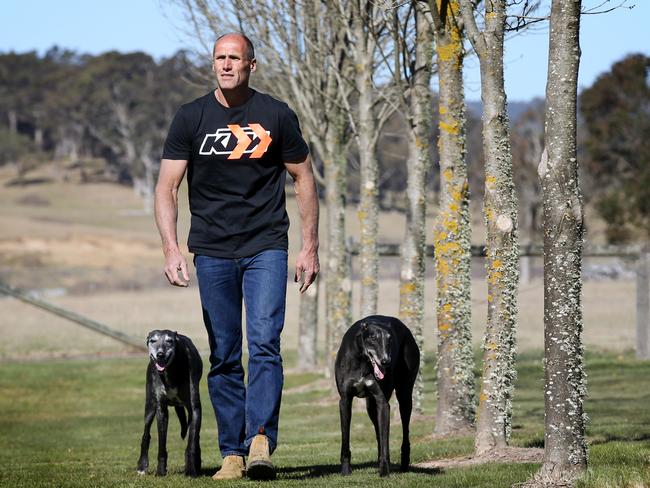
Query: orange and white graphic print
{"x": 236, "y": 141}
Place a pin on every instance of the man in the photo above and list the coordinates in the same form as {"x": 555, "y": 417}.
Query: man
{"x": 235, "y": 144}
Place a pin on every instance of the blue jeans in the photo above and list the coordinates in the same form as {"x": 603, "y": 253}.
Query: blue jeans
{"x": 261, "y": 281}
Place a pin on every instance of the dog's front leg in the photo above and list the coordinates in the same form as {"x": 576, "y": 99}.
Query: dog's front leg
{"x": 383, "y": 417}
{"x": 149, "y": 413}
{"x": 345, "y": 410}
{"x": 162, "y": 418}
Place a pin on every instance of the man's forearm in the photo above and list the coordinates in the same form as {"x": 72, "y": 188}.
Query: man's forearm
{"x": 307, "y": 199}
{"x": 166, "y": 208}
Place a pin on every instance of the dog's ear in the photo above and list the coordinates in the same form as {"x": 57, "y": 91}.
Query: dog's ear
{"x": 364, "y": 326}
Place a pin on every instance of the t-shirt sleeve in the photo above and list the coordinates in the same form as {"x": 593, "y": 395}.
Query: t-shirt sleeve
{"x": 294, "y": 147}
{"x": 178, "y": 144}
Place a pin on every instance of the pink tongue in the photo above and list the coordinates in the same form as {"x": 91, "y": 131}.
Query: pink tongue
{"x": 378, "y": 374}
{"x": 159, "y": 368}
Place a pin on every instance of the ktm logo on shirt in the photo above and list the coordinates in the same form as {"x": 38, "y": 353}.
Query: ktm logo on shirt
{"x": 253, "y": 140}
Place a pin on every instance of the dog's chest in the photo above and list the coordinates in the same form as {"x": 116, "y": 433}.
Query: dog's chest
{"x": 362, "y": 386}
{"x": 170, "y": 393}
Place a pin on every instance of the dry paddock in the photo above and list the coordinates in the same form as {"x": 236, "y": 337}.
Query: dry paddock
{"x": 27, "y": 332}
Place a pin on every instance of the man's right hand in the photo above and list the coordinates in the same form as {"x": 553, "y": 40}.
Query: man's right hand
{"x": 176, "y": 269}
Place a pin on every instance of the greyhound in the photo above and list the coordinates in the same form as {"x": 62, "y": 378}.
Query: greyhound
{"x": 173, "y": 378}
{"x": 378, "y": 354}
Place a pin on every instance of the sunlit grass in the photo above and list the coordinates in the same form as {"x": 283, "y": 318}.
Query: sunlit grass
{"x": 78, "y": 423}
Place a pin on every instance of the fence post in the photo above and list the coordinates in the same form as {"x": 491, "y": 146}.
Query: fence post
{"x": 642, "y": 305}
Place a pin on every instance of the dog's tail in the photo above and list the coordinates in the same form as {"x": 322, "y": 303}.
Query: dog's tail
{"x": 180, "y": 411}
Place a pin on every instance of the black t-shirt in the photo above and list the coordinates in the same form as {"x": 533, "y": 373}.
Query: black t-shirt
{"x": 236, "y": 172}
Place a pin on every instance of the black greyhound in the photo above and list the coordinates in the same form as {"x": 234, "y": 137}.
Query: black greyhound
{"x": 173, "y": 378}
{"x": 378, "y": 354}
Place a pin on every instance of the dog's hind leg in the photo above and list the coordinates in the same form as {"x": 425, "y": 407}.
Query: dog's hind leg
{"x": 408, "y": 371}
{"x": 405, "y": 400}
{"x": 345, "y": 410}
{"x": 193, "y": 450}
{"x": 162, "y": 418}
{"x": 371, "y": 408}
{"x": 149, "y": 414}
{"x": 182, "y": 418}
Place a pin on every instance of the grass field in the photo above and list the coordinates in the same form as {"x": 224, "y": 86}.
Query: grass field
{"x": 90, "y": 249}
{"x": 78, "y": 423}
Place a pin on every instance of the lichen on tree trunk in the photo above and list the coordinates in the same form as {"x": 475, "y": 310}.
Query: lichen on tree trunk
{"x": 493, "y": 425}
{"x": 565, "y": 452}
{"x": 455, "y": 376}
{"x": 411, "y": 293}
{"x": 338, "y": 282}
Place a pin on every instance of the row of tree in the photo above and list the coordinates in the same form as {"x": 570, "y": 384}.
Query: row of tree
{"x": 347, "y": 66}
{"x": 112, "y": 108}
{"x": 351, "y": 69}
{"x": 106, "y": 115}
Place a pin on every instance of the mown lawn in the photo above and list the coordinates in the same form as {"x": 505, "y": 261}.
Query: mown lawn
{"x": 78, "y": 423}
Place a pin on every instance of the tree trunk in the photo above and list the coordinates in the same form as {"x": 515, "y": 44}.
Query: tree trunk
{"x": 455, "y": 372}
{"x": 308, "y": 329}
{"x": 338, "y": 282}
{"x": 565, "y": 449}
{"x": 642, "y": 306}
{"x": 411, "y": 294}
{"x": 368, "y": 211}
{"x": 12, "y": 120}
{"x": 502, "y": 257}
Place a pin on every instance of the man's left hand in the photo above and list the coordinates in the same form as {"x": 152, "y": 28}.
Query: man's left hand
{"x": 307, "y": 268}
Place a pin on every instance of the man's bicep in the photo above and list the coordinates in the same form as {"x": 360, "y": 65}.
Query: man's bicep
{"x": 171, "y": 173}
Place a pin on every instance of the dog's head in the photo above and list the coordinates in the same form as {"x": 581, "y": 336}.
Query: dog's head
{"x": 162, "y": 348}
{"x": 376, "y": 346}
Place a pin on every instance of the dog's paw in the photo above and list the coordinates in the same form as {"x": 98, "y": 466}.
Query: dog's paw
{"x": 346, "y": 469}
{"x": 143, "y": 465}
{"x": 384, "y": 469}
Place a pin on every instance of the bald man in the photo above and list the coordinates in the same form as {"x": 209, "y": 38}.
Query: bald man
{"x": 236, "y": 145}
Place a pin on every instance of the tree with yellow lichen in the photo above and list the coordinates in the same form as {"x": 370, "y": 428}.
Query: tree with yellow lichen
{"x": 500, "y": 206}
{"x": 455, "y": 377}
{"x": 415, "y": 105}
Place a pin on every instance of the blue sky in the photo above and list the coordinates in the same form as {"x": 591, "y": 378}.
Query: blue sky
{"x": 159, "y": 28}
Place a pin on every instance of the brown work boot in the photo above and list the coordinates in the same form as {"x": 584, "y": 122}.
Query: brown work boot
{"x": 260, "y": 466}
{"x": 231, "y": 469}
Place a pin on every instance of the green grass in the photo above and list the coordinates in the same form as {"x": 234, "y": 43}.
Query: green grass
{"x": 78, "y": 423}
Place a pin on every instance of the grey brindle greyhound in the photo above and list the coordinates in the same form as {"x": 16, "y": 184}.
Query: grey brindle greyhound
{"x": 173, "y": 378}
{"x": 378, "y": 354}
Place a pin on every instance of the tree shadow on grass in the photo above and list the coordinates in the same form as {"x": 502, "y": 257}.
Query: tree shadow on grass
{"x": 322, "y": 470}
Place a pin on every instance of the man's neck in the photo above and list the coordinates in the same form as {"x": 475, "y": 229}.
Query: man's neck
{"x": 232, "y": 98}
